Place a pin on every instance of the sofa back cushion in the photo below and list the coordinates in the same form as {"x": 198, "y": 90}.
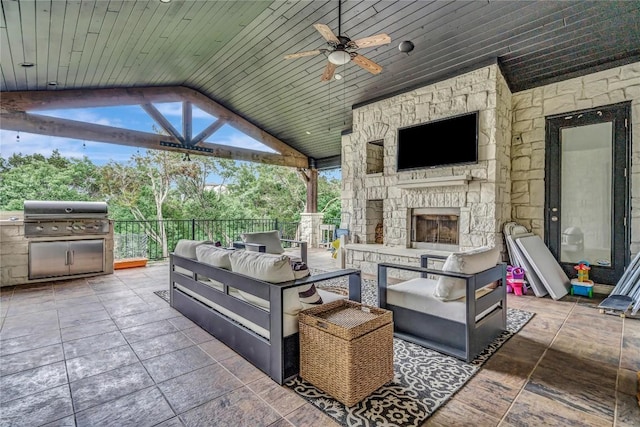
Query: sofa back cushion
{"x": 187, "y": 248}
{"x": 271, "y": 240}
{"x": 262, "y": 266}
{"x": 467, "y": 262}
{"x": 213, "y": 255}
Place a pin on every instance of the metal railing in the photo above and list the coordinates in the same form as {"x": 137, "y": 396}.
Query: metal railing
{"x": 225, "y": 231}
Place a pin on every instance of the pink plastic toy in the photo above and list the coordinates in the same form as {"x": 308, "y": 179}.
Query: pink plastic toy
{"x": 515, "y": 281}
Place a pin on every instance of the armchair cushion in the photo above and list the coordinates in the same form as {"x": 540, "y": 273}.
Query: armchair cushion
{"x": 468, "y": 262}
{"x": 271, "y": 240}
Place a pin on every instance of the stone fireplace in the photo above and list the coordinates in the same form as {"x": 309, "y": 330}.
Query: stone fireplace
{"x": 398, "y": 216}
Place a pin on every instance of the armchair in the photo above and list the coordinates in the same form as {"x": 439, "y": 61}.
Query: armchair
{"x": 459, "y": 313}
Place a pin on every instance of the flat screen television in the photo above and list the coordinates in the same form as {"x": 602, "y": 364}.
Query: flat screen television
{"x": 446, "y": 142}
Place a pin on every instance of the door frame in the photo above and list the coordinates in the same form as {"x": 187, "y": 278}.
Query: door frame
{"x": 620, "y": 115}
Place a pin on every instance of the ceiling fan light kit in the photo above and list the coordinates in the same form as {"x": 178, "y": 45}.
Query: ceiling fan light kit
{"x": 339, "y": 57}
{"x": 342, "y": 49}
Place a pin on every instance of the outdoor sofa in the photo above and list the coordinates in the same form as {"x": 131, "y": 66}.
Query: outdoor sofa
{"x": 250, "y": 300}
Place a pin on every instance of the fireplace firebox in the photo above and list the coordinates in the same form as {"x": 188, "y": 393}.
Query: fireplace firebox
{"x": 435, "y": 229}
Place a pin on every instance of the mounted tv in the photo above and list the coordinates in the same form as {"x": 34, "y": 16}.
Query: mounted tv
{"x": 446, "y": 142}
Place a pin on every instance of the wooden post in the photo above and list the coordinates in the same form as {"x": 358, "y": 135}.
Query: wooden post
{"x": 312, "y": 191}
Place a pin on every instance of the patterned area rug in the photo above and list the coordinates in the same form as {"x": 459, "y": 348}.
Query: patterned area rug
{"x": 163, "y": 294}
{"x": 423, "y": 381}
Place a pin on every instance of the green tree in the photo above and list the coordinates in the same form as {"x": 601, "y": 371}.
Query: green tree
{"x": 143, "y": 185}
{"x": 329, "y": 197}
{"x": 36, "y": 177}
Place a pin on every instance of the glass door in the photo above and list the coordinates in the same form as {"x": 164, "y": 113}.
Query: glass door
{"x": 587, "y": 191}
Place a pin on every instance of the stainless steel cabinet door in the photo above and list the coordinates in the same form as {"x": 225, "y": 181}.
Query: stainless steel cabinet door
{"x": 86, "y": 256}
{"x": 48, "y": 259}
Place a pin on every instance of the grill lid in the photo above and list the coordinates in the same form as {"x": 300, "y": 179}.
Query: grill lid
{"x": 51, "y": 209}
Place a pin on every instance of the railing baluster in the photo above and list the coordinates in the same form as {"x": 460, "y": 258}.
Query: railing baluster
{"x": 224, "y": 230}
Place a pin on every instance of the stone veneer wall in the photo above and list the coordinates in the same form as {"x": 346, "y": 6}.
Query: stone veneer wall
{"x": 530, "y": 107}
{"x": 484, "y": 202}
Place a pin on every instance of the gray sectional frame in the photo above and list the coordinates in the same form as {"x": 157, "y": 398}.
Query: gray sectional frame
{"x": 461, "y": 340}
{"x": 278, "y": 356}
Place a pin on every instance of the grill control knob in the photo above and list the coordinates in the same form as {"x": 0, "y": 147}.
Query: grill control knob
{"x": 54, "y": 228}
{"x": 69, "y": 227}
{"x": 39, "y": 228}
{"x": 82, "y": 227}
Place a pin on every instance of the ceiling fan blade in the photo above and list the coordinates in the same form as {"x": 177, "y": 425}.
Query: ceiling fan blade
{"x": 326, "y": 32}
{"x": 366, "y": 63}
{"x": 328, "y": 72}
{"x": 302, "y": 54}
{"x": 377, "y": 40}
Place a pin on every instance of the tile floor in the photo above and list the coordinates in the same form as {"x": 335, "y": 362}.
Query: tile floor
{"x": 106, "y": 351}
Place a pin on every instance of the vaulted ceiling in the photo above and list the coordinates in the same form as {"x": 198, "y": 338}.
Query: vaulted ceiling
{"x": 233, "y": 51}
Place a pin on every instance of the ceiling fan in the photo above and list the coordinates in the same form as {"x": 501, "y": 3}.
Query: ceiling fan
{"x": 342, "y": 49}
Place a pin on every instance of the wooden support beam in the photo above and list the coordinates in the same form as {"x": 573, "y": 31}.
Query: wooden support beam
{"x": 162, "y": 121}
{"x": 25, "y": 101}
{"x": 310, "y": 176}
{"x": 207, "y": 132}
{"x": 187, "y": 116}
{"x": 54, "y": 126}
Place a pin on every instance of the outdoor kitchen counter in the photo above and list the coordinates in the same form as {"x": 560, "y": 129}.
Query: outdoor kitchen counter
{"x": 14, "y": 252}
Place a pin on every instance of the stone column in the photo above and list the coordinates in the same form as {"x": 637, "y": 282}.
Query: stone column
{"x": 310, "y": 228}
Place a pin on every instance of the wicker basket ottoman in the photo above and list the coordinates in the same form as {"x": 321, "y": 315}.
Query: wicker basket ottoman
{"x": 346, "y": 349}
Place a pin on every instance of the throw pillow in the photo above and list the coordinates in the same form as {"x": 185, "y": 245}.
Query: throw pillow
{"x": 309, "y": 297}
{"x": 300, "y": 269}
{"x": 213, "y": 255}
{"x": 271, "y": 240}
{"x": 468, "y": 262}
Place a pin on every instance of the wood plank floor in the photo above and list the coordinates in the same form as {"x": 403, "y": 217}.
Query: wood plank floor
{"x": 107, "y": 351}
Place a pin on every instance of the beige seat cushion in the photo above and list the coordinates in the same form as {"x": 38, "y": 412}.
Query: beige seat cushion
{"x": 417, "y": 295}
{"x": 271, "y": 240}
{"x": 468, "y": 262}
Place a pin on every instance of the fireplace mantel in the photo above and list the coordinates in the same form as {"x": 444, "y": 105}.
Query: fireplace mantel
{"x": 438, "y": 181}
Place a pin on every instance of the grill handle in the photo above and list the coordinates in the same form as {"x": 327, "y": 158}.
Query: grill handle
{"x": 71, "y": 253}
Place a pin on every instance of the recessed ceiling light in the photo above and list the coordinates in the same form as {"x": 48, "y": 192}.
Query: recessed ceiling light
{"x": 406, "y": 46}
{"x": 165, "y": 1}
{"x": 27, "y": 64}
{"x": 308, "y": 133}
{"x": 52, "y": 83}
{"x": 337, "y": 76}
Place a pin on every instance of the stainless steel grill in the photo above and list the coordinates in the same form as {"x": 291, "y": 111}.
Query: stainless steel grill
{"x": 64, "y": 218}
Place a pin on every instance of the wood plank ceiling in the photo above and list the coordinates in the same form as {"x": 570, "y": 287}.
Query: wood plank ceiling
{"x": 232, "y": 51}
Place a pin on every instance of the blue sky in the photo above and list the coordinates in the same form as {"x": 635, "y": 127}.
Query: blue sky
{"x": 129, "y": 117}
